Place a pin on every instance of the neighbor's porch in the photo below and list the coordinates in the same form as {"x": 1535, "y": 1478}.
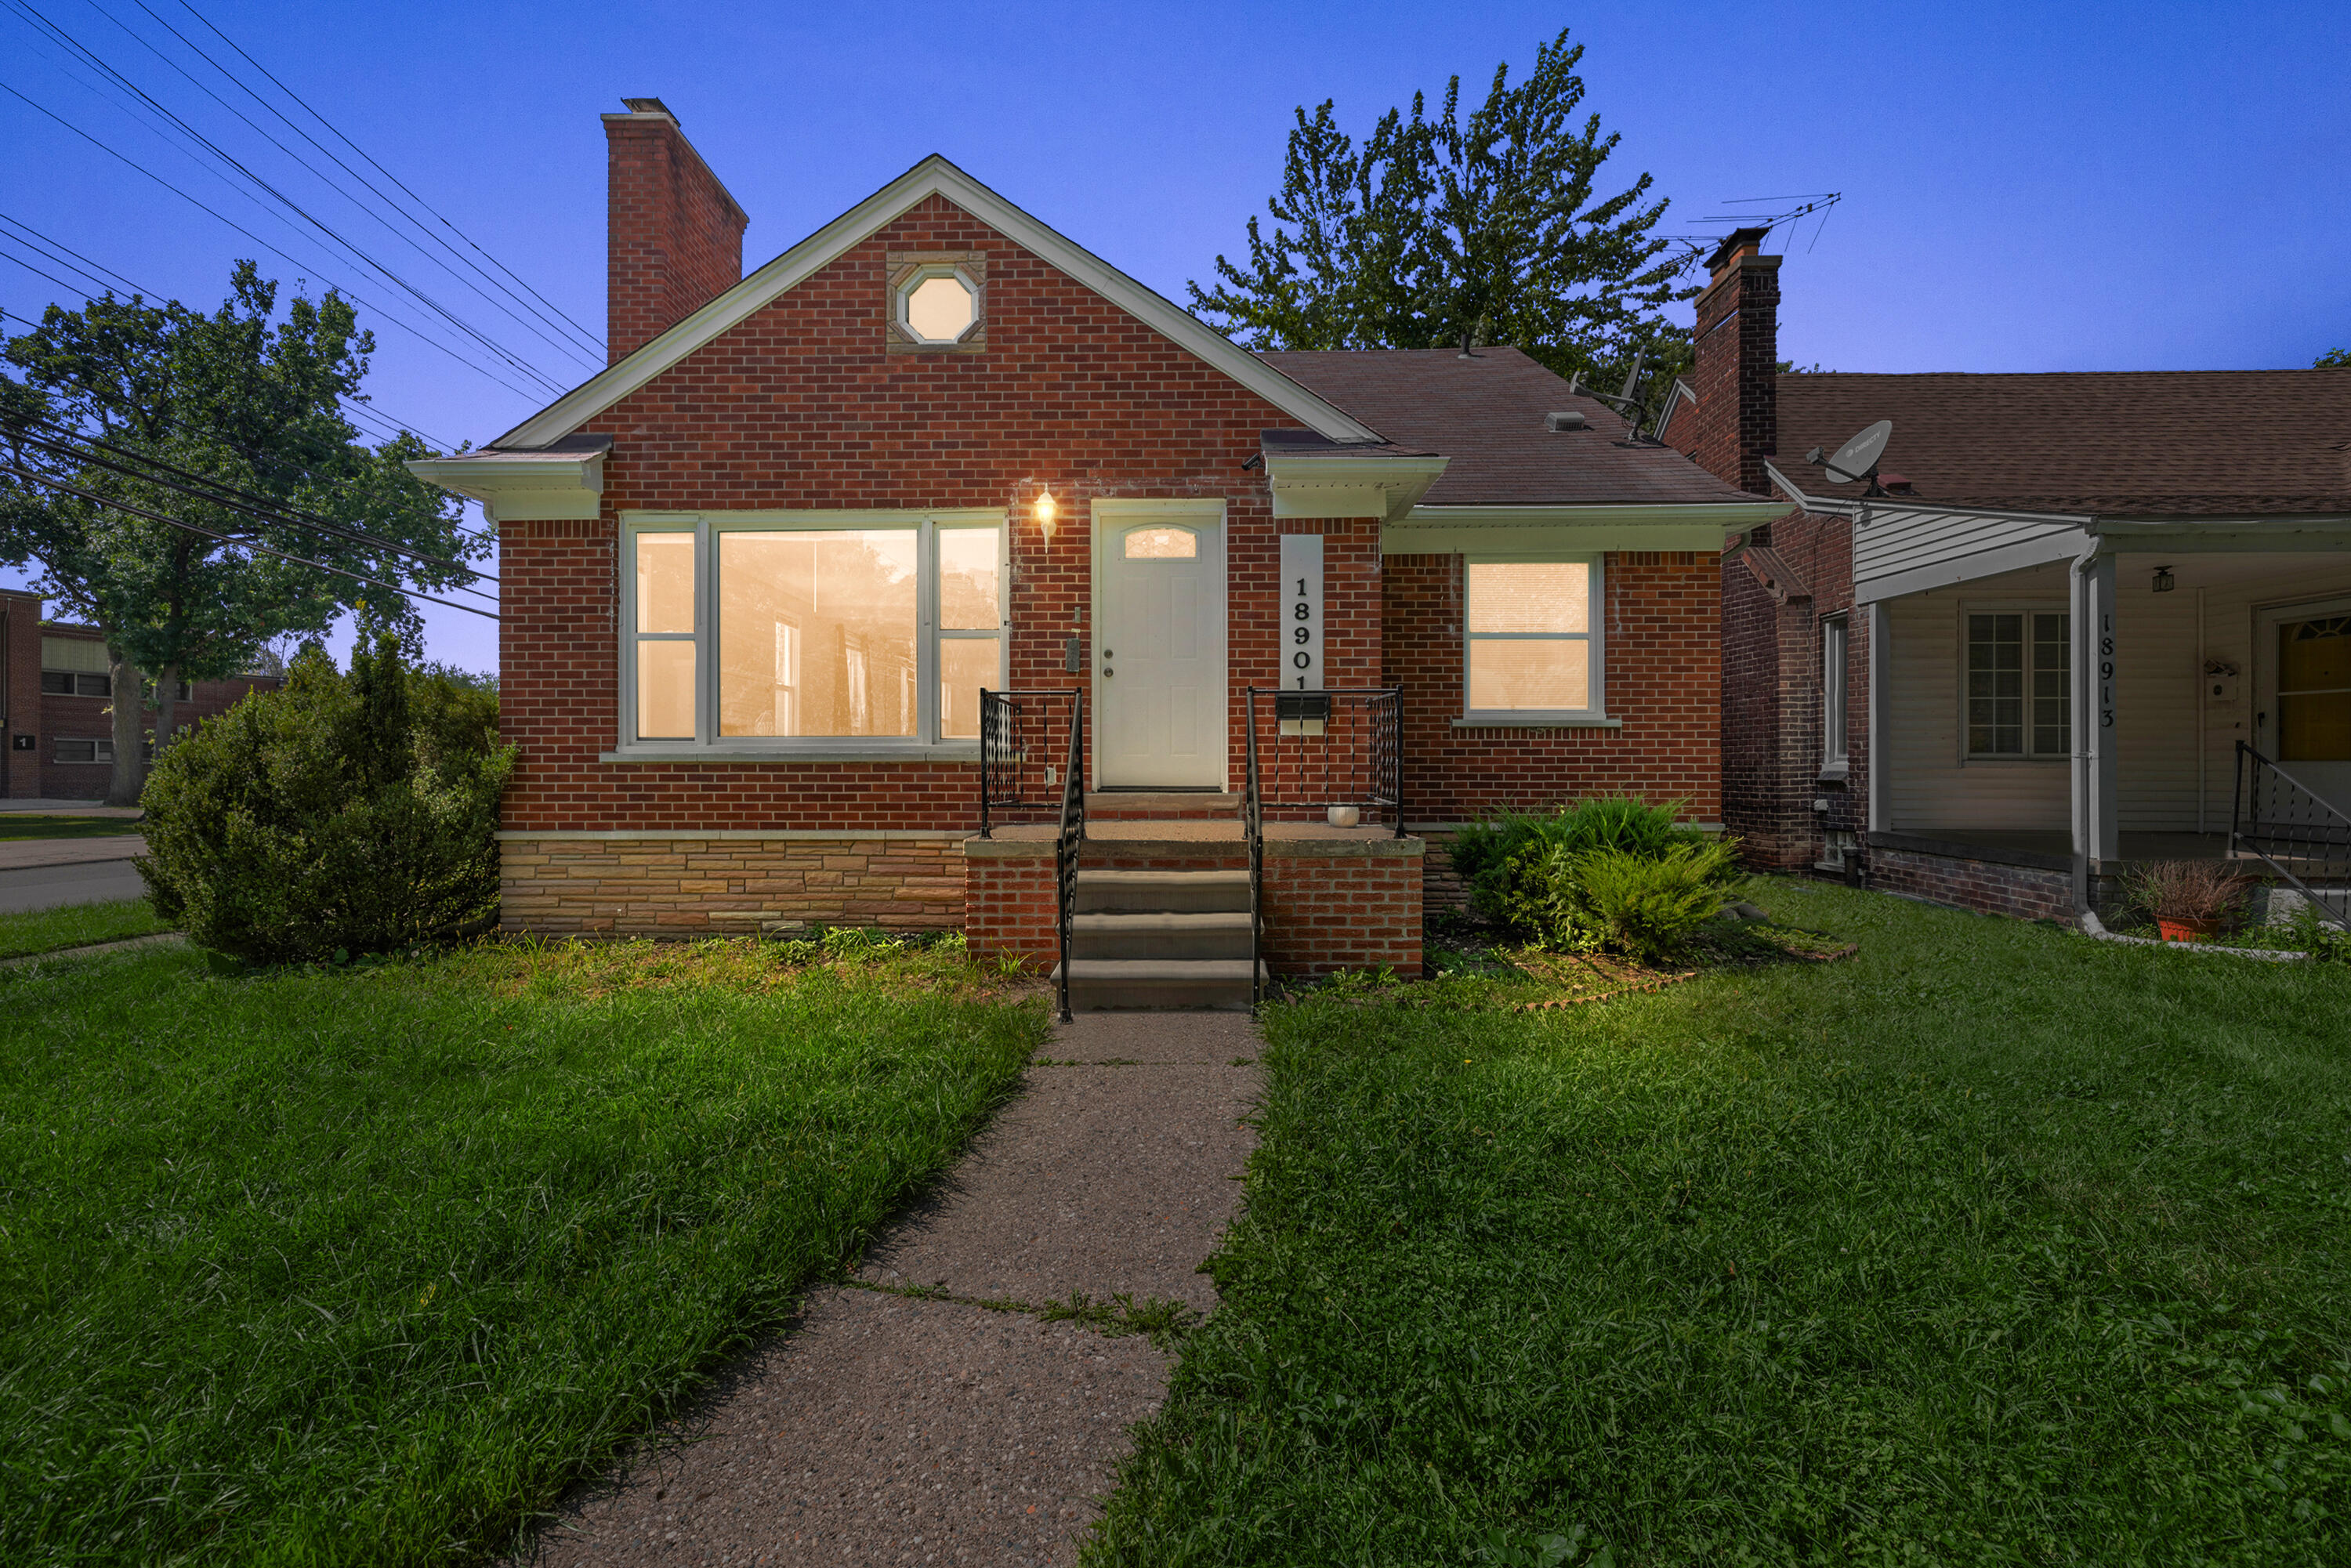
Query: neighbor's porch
{"x": 2039, "y": 731}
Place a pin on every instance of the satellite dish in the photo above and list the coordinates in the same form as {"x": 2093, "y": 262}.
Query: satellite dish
{"x": 1857, "y": 458}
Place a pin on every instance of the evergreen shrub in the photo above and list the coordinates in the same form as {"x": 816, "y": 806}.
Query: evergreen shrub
{"x": 341, "y": 814}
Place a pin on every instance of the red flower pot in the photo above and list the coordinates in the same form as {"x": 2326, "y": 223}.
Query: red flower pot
{"x": 2187, "y": 930}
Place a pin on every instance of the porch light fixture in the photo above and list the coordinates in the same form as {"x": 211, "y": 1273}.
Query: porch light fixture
{"x": 2164, "y": 581}
{"x": 1047, "y": 509}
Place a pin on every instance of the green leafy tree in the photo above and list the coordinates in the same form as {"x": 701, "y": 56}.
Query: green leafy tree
{"x": 245, "y": 398}
{"x": 2333, "y": 360}
{"x": 1460, "y": 229}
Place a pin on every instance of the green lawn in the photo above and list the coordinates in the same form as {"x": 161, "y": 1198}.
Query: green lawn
{"x": 31, "y": 825}
{"x": 76, "y": 925}
{"x": 358, "y": 1266}
{"x": 1992, "y": 1245}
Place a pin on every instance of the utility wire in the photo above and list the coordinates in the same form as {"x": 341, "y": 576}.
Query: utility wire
{"x": 561, "y": 345}
{"x": 237, "y": 543}
{"x": 261, "y": 508}
{"x": 569, "y": 341}
{"x": 350, "y": 409}
{"x": 275, "y": 466}
{"x": 354, "y": 295}
{"x": 593, "y": 341}
{"x": 521, "y": 366}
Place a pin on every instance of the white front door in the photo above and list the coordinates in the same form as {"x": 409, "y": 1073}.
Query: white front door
{"x": 1159, "y": 648}
{"x": 2302, "y": 662}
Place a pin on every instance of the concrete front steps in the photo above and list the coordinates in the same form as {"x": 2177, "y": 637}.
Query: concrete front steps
{"x": 1160, "y": 939}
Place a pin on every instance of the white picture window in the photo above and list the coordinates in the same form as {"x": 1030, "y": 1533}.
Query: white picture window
{"x": 2019, "y": 683}
{"x": 804, "y": 632}
{"x": 1532, "y": 647}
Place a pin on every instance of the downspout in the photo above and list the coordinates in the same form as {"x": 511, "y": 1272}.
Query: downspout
{"x": 2085, "y": 707}
{"x": 2200, "y": 679}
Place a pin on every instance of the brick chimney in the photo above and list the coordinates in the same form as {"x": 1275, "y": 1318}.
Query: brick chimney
{"x": 674, "y": 236}
{"x": 1737, "y": 370}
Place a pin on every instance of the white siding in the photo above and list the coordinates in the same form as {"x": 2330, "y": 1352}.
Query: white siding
{"x": 1933, "y": 785}
{"x": 2230, "y": 611}
{"x": 2156, "y": 684}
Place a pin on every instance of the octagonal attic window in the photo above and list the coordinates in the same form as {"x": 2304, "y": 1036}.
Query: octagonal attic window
{"x": 938, "y": 305}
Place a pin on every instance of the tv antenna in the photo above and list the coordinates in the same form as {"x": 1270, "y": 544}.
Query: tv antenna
{"x": 1857, "y": 461}
{"x": 1623, "y": 400}
{"x": 1792, "y": 218}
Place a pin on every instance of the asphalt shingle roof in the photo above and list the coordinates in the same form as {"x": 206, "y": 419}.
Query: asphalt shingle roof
{"x": 1485, "y": 413}
{"x": 2147, "y": 443}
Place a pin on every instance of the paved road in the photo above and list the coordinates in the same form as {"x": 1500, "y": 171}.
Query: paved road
{"x": 85, "y": 881}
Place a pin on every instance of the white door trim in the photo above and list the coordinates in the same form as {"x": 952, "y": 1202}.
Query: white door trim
{"x": 2331, "y": 781}
{"x": 1115, "y": 515}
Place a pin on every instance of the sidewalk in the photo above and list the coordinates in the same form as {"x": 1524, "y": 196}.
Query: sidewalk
{"x": 888, "y": 1428}
{"x": 17, "y": 854}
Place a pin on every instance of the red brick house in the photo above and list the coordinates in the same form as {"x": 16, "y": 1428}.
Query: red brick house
{"x": 757, "y": 574}
{"x": 2025, "y": 659}
{"x": 57, "y": 683}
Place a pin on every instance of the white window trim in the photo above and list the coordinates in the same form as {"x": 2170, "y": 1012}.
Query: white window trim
{"x": 1836, "y": 697}
{"x": 1595, "y": 618}
{"x": 707, "y": 744}
{"x": 2027, "y": 758}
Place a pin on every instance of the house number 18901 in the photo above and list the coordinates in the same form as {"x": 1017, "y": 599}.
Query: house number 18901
{"x": 1301, "y": 612}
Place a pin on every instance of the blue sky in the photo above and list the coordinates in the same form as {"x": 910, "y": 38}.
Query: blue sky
{"x": 2027, "y": 187}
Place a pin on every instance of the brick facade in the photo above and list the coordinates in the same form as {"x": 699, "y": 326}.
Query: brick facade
{"x": 2029, "y": 892}
{"x": 1329, "y": 906}
{"x": 49, "y": 717}
{"x": 1661, "y": 650}
{"x": 804, "y": 405}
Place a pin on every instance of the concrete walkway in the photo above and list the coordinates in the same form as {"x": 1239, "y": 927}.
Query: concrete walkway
{"x": 891, "y": 1429}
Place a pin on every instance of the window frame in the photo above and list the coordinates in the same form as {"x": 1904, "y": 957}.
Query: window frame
{"x": 1592, "y": 637}
{"x": 927, "y": 744}
{"x": 2029, "y": 757}
{"x": 1836, "y": 694}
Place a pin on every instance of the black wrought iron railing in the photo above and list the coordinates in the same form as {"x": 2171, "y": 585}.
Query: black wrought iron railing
{"x": 1019, "y": 761}
{"x": 1253, "y": 829}
{"x": 1325, "y": 748}
{"x": 1066, "y": 845}
{"x": 2293, "y": 832}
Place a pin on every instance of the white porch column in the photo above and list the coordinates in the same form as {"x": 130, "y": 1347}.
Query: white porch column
{"x": 2097, "y": 824}
{"x": 1881, "y": 718}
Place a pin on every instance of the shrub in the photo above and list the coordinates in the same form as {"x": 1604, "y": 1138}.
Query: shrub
{"x": 1650, "y": 906}
{"x": 1510, "y": 863}
{"x": 352, "y": 813}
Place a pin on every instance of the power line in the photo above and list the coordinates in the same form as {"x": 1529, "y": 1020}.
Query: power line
{"x": 125, "y": 506}
{"x": 561, "y": 345}
{"x": 522, "y": 366}
{"x": 233, "y": 498}
{"x": 560, "y": 322}
{"x": 593, "y": 341}
{"x": 348, "y": 408}
{"x": 355, "y": 295}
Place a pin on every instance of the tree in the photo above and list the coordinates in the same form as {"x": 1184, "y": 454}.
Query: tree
{"x": 2333, "y": 360}
{"x": 1459, "y": 231}
{"x": 241, "y": 399}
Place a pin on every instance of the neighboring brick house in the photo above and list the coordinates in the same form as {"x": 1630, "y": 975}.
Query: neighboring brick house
{"x": 61, "y": 704}
{"x": 2169, "y": 552}
{"x": 756, "y": 575}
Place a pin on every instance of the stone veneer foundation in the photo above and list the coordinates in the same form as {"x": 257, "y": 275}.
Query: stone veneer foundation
{"x": 695, "y": 884}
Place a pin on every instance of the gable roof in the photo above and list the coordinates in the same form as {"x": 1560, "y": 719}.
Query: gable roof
{"x": 2154, "y": 444}
{"x": 1485, "y": 413}
{"x": 933, "y": 177}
